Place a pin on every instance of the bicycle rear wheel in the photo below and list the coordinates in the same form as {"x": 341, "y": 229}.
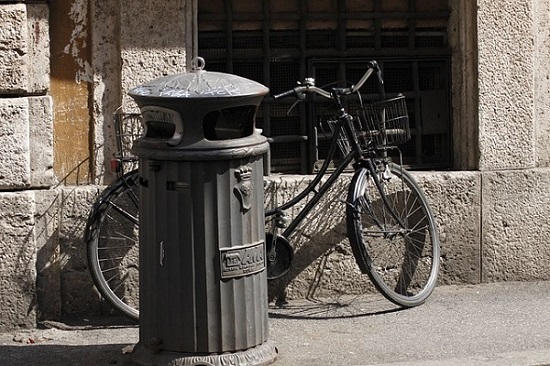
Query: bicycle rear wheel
{"x": 395, "y": 242}
{"x": 112, "y": 244}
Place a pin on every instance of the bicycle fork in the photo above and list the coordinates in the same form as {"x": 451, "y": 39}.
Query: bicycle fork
{"x": 386, "y": 176}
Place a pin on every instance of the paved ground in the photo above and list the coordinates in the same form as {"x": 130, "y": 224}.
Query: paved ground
{"x": 486, "y": 325}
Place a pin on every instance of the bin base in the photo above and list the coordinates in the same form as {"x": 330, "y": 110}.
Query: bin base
{"x": 262, "y": 355}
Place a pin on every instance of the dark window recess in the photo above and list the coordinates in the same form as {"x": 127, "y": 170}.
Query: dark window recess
{"x": 278, "y": 43}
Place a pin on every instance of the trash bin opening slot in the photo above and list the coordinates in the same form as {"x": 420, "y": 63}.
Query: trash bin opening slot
{"x": 160, "y": 129}
{"x": 162, "y": 124}
{"x": 229, "y": 123}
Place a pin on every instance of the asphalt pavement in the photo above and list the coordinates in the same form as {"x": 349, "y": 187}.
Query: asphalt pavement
{"x": 487, "y": 325}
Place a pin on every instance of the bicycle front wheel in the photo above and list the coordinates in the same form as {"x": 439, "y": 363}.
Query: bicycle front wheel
{"x": 393, "y": 234}
{"x": 112, "y": 244}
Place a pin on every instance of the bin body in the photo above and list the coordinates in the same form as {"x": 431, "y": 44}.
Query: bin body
{"x": 203, "y": 282}
{"x": 202, "y": 269}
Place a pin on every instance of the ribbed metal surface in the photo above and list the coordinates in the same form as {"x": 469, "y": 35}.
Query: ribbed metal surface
{"x": 189, "y": 211}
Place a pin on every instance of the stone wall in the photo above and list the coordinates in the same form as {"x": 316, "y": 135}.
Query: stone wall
{"x": 514, "y": 122}
{"x": 26, "y": 146}
{"x": 492, "y": 218}
{"x": 324, "y": 264}
{"x": 43, "y": 268}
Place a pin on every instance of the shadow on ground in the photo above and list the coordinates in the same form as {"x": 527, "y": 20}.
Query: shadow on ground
{"x": 336, "y": 307}
{"x": 62, "y": 355}
{"x": 73, "y": 342}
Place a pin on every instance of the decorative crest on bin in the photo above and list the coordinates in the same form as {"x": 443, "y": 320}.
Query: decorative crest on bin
{"x": 243, "y": 188}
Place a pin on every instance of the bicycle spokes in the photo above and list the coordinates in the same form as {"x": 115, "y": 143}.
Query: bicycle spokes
{"x": 112, "y": 244}
{"x": 394, "y": 235}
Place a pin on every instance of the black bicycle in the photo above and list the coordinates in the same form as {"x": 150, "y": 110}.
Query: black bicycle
{"x": 391, "y": 228}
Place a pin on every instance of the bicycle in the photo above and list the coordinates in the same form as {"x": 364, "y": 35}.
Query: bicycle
{"x": 112, "y": 228}
{"x": 391, "y": 228}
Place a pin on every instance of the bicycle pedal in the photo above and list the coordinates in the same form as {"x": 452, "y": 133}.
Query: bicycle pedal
{"x": 281, "y": 221}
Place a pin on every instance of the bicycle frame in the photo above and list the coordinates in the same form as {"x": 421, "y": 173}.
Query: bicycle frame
{"x": 343, "y": 126}
{"x": 362, "y": 160}
{"x": 311, "y": 188}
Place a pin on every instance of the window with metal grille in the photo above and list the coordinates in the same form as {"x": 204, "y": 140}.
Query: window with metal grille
{"x": 278, "y": 43}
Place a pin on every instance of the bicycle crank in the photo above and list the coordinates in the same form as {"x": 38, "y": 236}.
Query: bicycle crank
{"x": 279, "y": 256}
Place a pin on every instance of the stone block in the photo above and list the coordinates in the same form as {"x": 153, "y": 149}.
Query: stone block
{"x": 153, "y": 44}
{"x": 39, "y": 48}
{"x": 48, "y": 254}
{"x": 455, "y": 199}
{"x": 14, "y": 143}
{"x": 106, "y": 84}
{"x": 14, "y": 69}
{"x": 542, "y": 81}
{"x": 23, "y": 120}
{"x": 143, "y": 65}
{"x": 515, "y": 226}
{"x": 77, "y": 291}
{"x": 506, "y": 85}
{"x": 17, "y": 260}
{"x": 323, "y": 264}
{"x": 41, "y": 135}
{"x": 24, "y": 34}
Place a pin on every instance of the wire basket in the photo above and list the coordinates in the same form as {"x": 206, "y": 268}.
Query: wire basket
{"x": 379, "y": 125}
{"x": 384, "y": 123}
{"x": 128, "y": 128}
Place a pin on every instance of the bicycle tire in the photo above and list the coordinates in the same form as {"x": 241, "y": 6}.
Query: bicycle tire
{"x": 112, "y": 244}
{"x": 402, "y": 262}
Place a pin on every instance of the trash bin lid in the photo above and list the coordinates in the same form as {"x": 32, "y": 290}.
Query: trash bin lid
{"x": 199, "y": 83}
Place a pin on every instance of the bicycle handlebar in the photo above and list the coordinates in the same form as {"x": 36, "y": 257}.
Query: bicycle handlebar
{"x": 286, "y": 93}
{"x": 299, "y": 91}
{"x": 308, "y": 86}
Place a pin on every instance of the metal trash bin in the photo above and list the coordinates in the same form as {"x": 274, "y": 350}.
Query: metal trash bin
{"x": 203, "y": 282}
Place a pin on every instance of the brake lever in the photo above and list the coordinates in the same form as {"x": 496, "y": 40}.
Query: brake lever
{"x": 301, "y": 96}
